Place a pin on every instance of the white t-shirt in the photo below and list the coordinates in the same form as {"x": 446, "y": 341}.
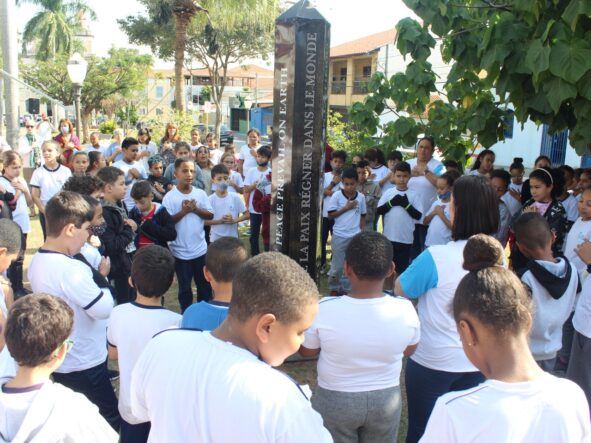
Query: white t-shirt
{"x": 215, "y": 155}
{"x": 378, "y": 173}
{"x": 513, "y": 205}
{"x": 131, "y": 327}
{"x": 546, "y": 410}
{"x": 251, "y": 177}
{"x": 347, "y": 224}
{"x": 71, "y": 280}
{"x": 236, "y": 178}
{"x": 129, "y": 180}
{"x": 422, "y": 187}
{"x": 190, "y": 239}
{"x": 328, "y": 176}
{"x": 152, "y": 149}
{"x": 225, "y": 393}
{"x": 433, "y": 277}
{"x": 233, "y": 204}
{"x": 361, "y": 341}
{"x": 579, "y": 232}
{"x": 438, "y": 232}
{"x": 49, "y": 181}
{"x": 399, "y": 226}
{"x": 582, "y": 317}
{"x": 570, "y": 206}
{"x": 92, "y": 255}
{"x": 20, "y": 215}
{"x": 7, "y": 363}
{"x": 250, "y": 161}
{"x": 515, "y": 187}
{"x": 51, "y": 413}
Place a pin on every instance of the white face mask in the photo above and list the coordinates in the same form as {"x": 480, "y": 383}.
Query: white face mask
{"x": 65, "y": 129}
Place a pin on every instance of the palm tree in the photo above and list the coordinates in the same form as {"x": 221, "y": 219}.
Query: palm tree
{"x": 53, "y": 27}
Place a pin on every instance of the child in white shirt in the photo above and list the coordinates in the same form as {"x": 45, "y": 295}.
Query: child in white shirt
{"x": 401, "y": 209}
{"x": 189, "y": 207}
{"x": 32, "y": 407}
{"x": 223, "y": 386}
{"x": 519, "y": 402}
{"x": 437, "y": 217}
{"x": 331, "y": 184}
{"x": 228, "y": 207}
{"x": 579, "y": 232}
{"x": 132, "y": 168}
{"x": 361, "y": 339}
{"x": 132, "y": 326}
{"x": 236, "y": 183}
{"x": 347, "y": 208}
{"x": 553, "y": 282}
{"x": 48, "y": 179}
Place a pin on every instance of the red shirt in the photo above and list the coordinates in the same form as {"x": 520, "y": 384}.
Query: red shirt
{"x": 143, "y": 240}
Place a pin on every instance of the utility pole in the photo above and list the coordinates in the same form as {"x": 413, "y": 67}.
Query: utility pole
{"x": 10, "y": 59}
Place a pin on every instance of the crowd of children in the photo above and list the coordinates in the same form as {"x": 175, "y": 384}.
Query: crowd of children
{"x": 480, "y": 371}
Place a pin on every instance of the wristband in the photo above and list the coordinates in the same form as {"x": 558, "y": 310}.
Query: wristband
{"x": 390, "y": 203}
{"x": 407, "y": 206}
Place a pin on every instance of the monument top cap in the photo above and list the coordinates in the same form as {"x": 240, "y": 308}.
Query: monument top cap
{"x": 301, "y": 10}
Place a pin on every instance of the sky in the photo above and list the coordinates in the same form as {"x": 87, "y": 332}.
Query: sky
{"x": 348, "y": 20}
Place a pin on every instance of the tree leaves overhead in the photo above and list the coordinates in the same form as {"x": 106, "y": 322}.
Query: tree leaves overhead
{"x": 532, "y": 56}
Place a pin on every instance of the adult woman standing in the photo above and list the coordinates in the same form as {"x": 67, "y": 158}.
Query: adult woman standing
{"x": 29, "y": 149}
{"x": 440, "y": 365}
{"x": 424, "y": 172}
{"x": 168, "y": 142}
{"x": 147, "y": 147}
{"x": 114, "y": 153}
{"x": 248, "y": 152}
{"x": 67, "y": 140}
{"x": 203, "y": 161}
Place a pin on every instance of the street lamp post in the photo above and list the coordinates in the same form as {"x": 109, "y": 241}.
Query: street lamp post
{"x": 77, "y": 71}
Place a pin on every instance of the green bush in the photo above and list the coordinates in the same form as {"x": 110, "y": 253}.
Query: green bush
{"x": 107, "y": 127}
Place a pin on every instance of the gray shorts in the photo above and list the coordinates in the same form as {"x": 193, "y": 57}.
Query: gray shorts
{"x": 364, "y": 417}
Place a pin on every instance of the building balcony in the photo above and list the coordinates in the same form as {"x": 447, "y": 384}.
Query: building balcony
{"x": 338, "y": 87}
{"x": 360, "y": 85}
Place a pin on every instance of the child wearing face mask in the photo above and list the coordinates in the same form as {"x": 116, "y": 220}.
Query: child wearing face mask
{"x": 228, "y": 207}
{"x": 438, "y": 218}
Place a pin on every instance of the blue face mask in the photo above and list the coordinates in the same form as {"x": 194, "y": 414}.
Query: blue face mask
{"x": 98, "y": 230}
{"x": 445, "y": 195}
{"x": 223, "y": 186}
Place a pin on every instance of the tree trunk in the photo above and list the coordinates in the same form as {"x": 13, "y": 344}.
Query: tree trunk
{"x": 10, "y": 58}
{"x": 85, "y": 126}
{"x": 182, "y": 20}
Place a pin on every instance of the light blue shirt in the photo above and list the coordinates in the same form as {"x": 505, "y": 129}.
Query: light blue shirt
{"x": 205, "y": 315}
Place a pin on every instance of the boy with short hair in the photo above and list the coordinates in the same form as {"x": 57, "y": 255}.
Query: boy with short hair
{"x": 182, "y": 150}
{"x": 53, "y": 270}
{"x": 347, "y": 208}
{"x": 227, "y": 206}
{"x": 154, "y": 223}
{"x": 117, "y": 239}
{"x": 133, "y": 325}
{"x": 241, "y": 397}
{"x": 358, "y": 393}
{"x": 160, "y": 184}
{"x": 224, "y": 258}
{"x": 132, "y": 167}
{"x": 394, "y": 158}
{"x": 189, "y": 208}
{"x": 258, "y": 178}
{"x": 401, "y": 209}
{"x": 370, "y": 190}
{"x": 553, "y": 282}
{"x": 32, "y": 407}
{"x": 332, "y": 183}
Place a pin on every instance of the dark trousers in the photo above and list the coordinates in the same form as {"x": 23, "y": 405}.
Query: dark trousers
{"x": 418, "y": 245}
{"x": 94, "y": 383}
{"x": 256, "y": 220}
{"x": 327, "y": 225}
{"x": 424, "y": 386}
{"x": 134, "y": 433}
{"x": 186, "y": 272}
{"x": 123, "y": 292}
{"x": 15, "y": 270}
{"x": 401, "y": 256}
{"x": 42, "y": 223}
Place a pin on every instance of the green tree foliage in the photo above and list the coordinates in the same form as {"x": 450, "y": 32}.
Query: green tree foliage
{"x": 122, "y": 73}
{"x": 343, "y": 136}
{"x": 533, "y": 56}
{"x": 53, "y": 27}
{"x": 231, "y": 32}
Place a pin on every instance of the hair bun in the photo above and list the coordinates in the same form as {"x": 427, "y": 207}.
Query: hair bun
{"x": 517, "y": 160}
{"x": 482, "y": 251}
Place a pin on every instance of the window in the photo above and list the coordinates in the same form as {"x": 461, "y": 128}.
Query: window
{"x": 367, "y": 71}
{"x": 159, "y": 92}
{"x": 158, "y": 111}
{"x": 343, "y": 75}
